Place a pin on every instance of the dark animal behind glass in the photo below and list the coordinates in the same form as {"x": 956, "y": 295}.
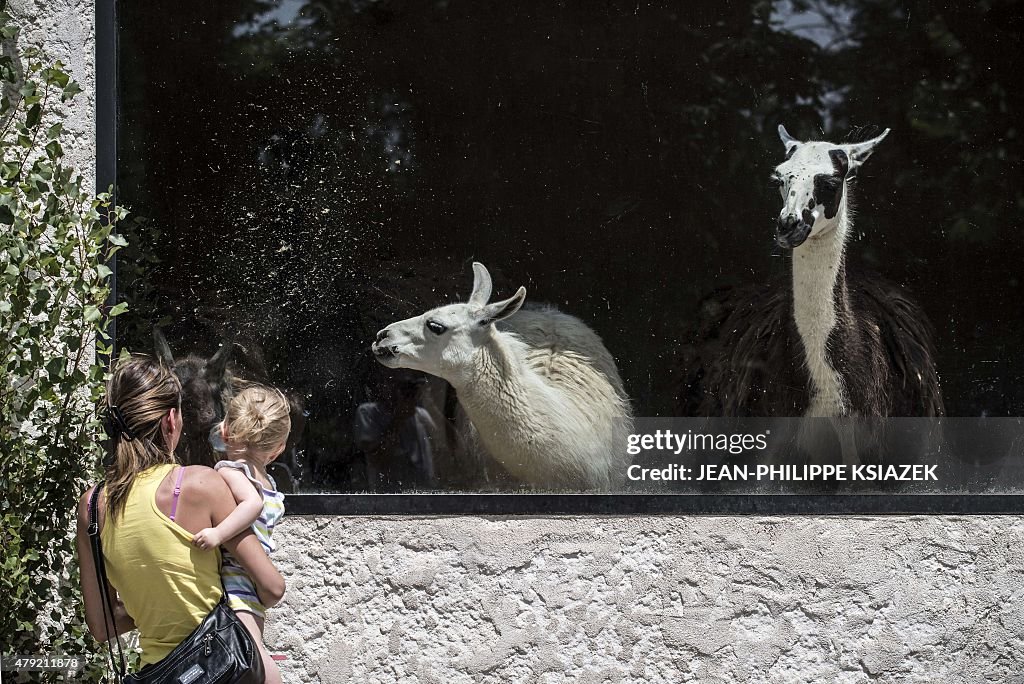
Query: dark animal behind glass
{"x": 205, "y": 391}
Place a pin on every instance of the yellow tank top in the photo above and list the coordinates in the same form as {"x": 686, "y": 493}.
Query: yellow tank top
{"x": 167, "y": 585}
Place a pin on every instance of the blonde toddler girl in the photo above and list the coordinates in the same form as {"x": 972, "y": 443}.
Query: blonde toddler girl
{"x": 255, "y": 431}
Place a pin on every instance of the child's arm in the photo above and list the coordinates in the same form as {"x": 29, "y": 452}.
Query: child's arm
{"x": 247, "y": 549}
{"x": 249, "y": 507}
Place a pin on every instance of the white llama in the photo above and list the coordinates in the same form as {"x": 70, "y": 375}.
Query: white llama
{"x": 539, "y": 387}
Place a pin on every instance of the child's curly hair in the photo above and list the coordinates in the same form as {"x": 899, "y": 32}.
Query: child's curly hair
{"x": 258, "y": 419}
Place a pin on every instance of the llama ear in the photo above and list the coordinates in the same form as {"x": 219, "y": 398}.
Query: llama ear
{"x": 501, "y": 310}
{"x": 859, "y": 152}
{"x": 787, "y": 140}
{"x": 217, "y": 366}
{"x": 163, "y": 350}
{"x": 481, "y": 285}
{"x": 840, "y": 161}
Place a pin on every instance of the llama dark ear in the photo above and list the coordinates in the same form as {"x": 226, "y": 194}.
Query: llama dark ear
{"x": 217, "y": 366}
{"x": 501, "y": 310}
{"x": 162, "y": 349}
{"x": 251, "y": 357}
{"x": 481, "y": 285}
{"x": 840, "y": 162}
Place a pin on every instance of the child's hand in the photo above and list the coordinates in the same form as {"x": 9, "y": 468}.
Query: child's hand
{"x": 208, "y": 538}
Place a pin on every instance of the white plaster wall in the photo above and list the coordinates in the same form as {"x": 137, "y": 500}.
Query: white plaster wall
{"x": 66, "y": 31}
{"x": 604, "y": 599}
{"x": 655, "y": 599}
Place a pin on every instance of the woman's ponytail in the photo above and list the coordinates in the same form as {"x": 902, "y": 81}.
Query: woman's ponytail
{"x": 140, "y": 392}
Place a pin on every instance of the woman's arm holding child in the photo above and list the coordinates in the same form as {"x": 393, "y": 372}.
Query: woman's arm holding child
{"x": 249, "y": 507}
{"x": 245, "y": 547}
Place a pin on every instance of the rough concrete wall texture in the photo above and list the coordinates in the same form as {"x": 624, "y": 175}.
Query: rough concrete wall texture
{"x": 653, "y": 599}
{"x": 605, "y": 599}
{"x": 66, "y": 31}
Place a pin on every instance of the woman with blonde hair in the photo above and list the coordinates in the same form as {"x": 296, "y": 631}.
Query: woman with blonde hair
{"x": 149, "y": 511}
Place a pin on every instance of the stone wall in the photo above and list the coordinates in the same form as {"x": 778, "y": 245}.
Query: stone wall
{"x": 66, "y": 31}
{"x": 605, "y": 599}
{"x": 656, "y": 599}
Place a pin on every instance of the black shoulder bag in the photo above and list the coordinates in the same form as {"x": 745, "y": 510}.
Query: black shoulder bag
{"x": 219, "y": 651}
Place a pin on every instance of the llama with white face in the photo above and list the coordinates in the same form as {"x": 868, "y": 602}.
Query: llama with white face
{"x": 815, "y": 223}
{"x": 539, "y": 387}
{"x": 831, "y": 342}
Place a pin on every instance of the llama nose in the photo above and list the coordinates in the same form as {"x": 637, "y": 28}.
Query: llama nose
{"x": 382, "y": 334}
{"x": 791, "y": 231}
{"x": 788, "y": 223}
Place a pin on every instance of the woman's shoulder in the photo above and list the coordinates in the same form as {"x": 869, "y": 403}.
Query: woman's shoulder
{"x": 203, "y": 482}
{"x": 201, "y": 475}
{"x": 83, "y": 505}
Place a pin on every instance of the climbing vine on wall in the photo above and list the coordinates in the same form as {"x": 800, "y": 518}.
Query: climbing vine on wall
{"x": 56, "y": 239}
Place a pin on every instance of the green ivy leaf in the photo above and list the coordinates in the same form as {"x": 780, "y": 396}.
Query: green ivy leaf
{"x": 71, "y": 90}
{"x": 56, "y": 76}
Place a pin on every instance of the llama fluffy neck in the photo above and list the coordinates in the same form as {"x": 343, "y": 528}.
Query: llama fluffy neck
{"x": 818, "y": 294}
{"x": 505, "y": 400}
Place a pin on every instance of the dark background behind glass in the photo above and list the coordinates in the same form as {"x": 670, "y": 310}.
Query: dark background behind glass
{"x": 304, "y": 173}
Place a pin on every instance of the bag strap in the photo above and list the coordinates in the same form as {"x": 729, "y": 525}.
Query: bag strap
{"x": 109, "y": 623}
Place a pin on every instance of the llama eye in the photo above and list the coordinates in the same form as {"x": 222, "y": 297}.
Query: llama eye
{"x": 774, "y": 182}
{"x": 436, "y": 327}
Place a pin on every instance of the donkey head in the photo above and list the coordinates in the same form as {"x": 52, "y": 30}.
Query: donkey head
{"x": 812, "y": 183}
{"x": 442, "y": 341}
{"x": 204, "y": 385}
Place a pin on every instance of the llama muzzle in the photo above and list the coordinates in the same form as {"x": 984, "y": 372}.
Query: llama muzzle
{"x": 792, "y": 230}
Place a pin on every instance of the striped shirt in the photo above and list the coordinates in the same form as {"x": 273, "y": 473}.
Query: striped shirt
{"x": 238, "y": 585}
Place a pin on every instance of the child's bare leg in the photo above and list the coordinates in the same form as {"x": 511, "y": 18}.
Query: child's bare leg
{"x": 255, "y": 626}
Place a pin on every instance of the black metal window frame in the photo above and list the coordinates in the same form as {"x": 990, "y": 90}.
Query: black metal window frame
{"x": 526, "y": 504}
